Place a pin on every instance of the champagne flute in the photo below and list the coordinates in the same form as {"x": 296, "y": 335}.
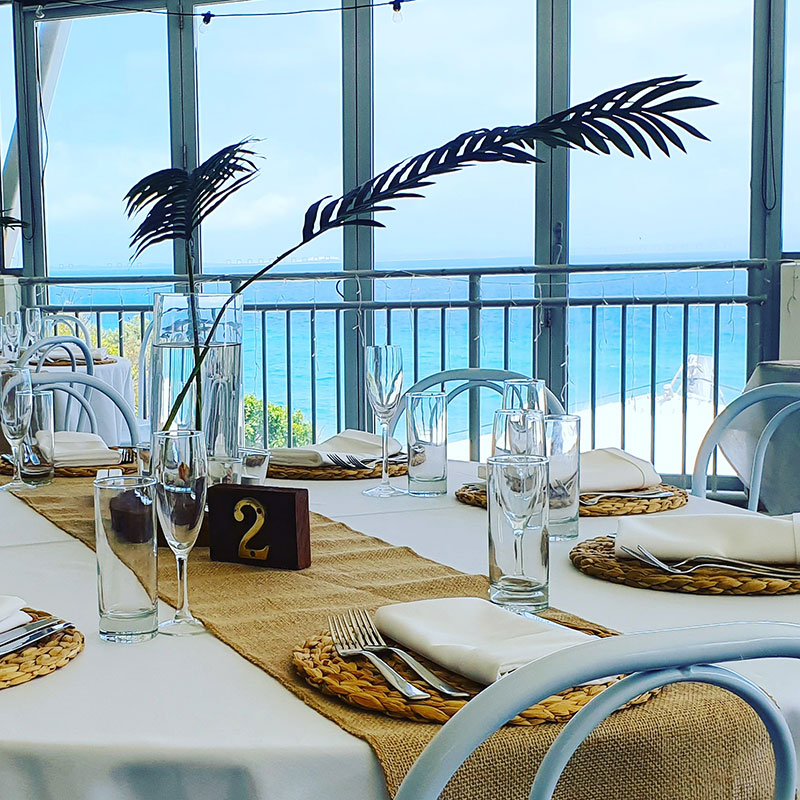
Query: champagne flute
{"x": 11, "y": 334}
{"x": 16, "y": 405}
{"x": 518, "y": 431}
{"x": 180, "y": 469}
{"x": 33, "y": 326}
{"x": 384, "y": 371}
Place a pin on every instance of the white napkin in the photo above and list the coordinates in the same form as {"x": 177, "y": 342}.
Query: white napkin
{"x": 365, "y": 447}
{"x": 609, "y": 469}
{"x": 75, "y": 449}
{"x": 473, "y": 637}
{"x": 11, "y": 613}
{"x": 748, "y": 537}
{"x": 60, "y": 354}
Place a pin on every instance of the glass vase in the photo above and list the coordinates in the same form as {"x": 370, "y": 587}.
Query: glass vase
{"x": 219, "y": 410}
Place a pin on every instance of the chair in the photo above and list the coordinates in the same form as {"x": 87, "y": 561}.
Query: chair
{"x": 75, "y": 325}
{"x": 61, "y": 383}
{"x": 770, "y": 391}
{"x": 658, "y": 658}
{"x": 471, "y": 378}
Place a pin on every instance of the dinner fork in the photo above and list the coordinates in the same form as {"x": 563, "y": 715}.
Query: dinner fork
{"x": 594, "y": 498}
{"x": 346, "y": 646}
{"x": 369, "y": 638}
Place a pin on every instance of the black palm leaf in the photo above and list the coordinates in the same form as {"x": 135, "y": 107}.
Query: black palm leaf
{"x": 7, "y": 221}
{"x": 633, "y": 114}
{"x": 181, "y": 200}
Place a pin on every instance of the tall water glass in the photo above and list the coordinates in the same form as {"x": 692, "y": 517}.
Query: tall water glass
{"x": 180, "y": 467}
{"x": 563, "y": 436}
{"x": 33, "y": 326}
{"x": 518, "y": 432}
{"x": 16, "y": 403}
{"x": 518, "y": 537}
{"x": 127, "y": 570}
{"x": 3, "y": 351}
{"x": 426, "y": 427}
{"x": 384, "y": 373}
{"x": 525, "y": 393}
{"x": 38, "y": 446}
{"x": 12, "y": 331}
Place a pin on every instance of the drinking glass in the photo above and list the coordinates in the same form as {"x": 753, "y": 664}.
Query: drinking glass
{"x": 384, "y": 371}
{"x": 38, "y": 456}
{"x": 33, "y": 326}
{"x": 426, "y": 426}
{"x": 127, "y": 567}
{"x": 255, "y": 464}
{"x": 518, "y": 538}
{"x": 11, "y": 334}
{"x": 563, "y": 435}
{"x": 180, "y": 468}
{"x": 518, "y": 431}
{"x": 16, "y": 402}
{"x": 525, "y": 393}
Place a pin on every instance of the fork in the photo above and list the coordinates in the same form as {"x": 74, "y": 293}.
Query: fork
{"x": 594, "y": 499}
{"x": 369, "y": 638}
{"x": 346, "y": 646}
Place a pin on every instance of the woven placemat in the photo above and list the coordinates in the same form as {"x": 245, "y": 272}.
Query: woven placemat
{"x": 474, "y": 495}
{"x": 42, "y": 657}
{"x": 331, "y": 473}
{"x": 595, "y": 557}
{"x": 65, "y": 362}
{"x": 77, "y": 472}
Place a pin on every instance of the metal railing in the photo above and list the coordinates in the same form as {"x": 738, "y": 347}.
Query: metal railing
{"x": 696, "y": 319}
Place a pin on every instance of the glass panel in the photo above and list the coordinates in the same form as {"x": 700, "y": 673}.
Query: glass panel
{"x": 451, "y": 67}
{"x": 7, "y": 115}
{"x": 791, "y": 156}
{"x": 687, "y": 207}
{"x": 108, "y": 127}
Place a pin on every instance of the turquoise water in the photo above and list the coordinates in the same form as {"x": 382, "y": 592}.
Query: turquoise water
{"x": 669, "y": 327}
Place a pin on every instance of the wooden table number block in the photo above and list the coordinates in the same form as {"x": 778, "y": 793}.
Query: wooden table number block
{"x": 264, "y": 526}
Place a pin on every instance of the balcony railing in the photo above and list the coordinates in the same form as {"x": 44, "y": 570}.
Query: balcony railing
{"x": 647, "y": 354}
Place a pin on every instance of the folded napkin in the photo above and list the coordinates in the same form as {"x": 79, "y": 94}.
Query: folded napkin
{"x": 60, "y": 353}
{"x": 473, "y": 637}
{"x": 74, "y": 449}
{"x": 609, "y": 470}
{"x": 11, "y": 613}
{"x": 364, "y": 447}
{"x": 748, "y": 537}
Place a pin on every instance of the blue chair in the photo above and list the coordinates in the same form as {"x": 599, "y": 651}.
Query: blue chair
{"x": 770, "y": 391}
{"x": 658, "y": 658}
{"x": 470, "y": 379}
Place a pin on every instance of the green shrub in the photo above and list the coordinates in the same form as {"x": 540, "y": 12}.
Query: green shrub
{"x": 277, "y": 418}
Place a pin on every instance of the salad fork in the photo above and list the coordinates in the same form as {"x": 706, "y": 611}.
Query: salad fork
{"x": 370, "y": 638}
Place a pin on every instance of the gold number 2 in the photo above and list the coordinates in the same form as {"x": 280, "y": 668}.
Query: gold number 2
{"x": 258, "y": 523}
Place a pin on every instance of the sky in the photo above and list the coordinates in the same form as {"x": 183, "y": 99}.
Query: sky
{"x": 448, "y": 67}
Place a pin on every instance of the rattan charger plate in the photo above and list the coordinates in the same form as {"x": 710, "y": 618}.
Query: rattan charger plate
{"x": 78, "y": 472}
{"x": 595, "y": 557}
{"x": 332, "y": 473}
{"x": 358, "y": 683}
{"x": 475, "y": 495}
{"x": 41, "y": 658}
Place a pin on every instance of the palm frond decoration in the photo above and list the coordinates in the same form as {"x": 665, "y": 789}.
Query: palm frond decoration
{"x": 180, "y": 200}
{"x": 7, "y": 221}
{"x": 623, "y": 119}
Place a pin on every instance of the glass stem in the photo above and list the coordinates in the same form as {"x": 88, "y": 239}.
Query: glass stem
{"x": 182, "y": 612}
{"x": 519, "y": 564}
{"x": 18, "y": 462}
{"x": 385, "y": 452}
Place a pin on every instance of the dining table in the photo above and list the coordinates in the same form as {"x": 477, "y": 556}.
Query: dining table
{"x": 190, "y": 718}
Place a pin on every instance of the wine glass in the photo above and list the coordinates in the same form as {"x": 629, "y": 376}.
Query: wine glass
{"x": 518, "y": 431}
{"x": 384, "y": 371}
{"x": 525, "y": 393}
{"x": 180, "y": 467}
{"x": 33, "y": 326}
{"x": 16, "y": 405}
{"x": 11, "y": 334}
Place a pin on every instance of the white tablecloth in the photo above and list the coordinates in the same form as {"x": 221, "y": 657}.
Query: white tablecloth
{"x": 111, "y": 424}
{"x": 172, "y": 719}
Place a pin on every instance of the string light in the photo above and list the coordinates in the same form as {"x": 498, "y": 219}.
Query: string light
{"x": 39, "y": 13}
{"x": 207, "y": 16}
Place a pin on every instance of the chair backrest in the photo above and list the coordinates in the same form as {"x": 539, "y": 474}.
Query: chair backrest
{"x": 53, "y": 346}
{"x": 655, "y": 659}
{"x": 470, "y": 378}
{"x": 74, "y": 325}
{"x": 66, "y": 383}
{"x": 144, "y": 373}
{"x": 770, "y": 391}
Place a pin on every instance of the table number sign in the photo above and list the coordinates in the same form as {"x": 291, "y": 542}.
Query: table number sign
{"x": 265, "y": 526}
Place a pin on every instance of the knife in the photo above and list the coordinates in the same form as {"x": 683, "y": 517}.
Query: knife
{"x": 24, "y": 630}
{"x": 42, "y": 633}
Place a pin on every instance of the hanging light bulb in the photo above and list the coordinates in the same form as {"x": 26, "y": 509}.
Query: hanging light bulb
{"x": 39, "y": 13}
{"x": 397, "y": 11}
{"x": 205, "y": 21}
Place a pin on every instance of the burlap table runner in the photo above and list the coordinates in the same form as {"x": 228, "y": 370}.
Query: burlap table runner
{"x": 692, "y": 742}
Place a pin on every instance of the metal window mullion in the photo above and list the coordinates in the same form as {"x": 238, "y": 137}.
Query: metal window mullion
{"x": 183, "y": 126}
{"x": 357, "y": 167}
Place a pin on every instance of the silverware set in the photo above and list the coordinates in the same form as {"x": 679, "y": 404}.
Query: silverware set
{"x": 354, "y": 635}
{"x": 24, "y": 635}
{"x": 347, "y": 461}
{"x": 689, "y": 565}
{"x": 653, "y": 494}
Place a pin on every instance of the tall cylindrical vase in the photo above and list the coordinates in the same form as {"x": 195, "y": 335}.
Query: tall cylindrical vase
{"x": 218, "y": 411}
